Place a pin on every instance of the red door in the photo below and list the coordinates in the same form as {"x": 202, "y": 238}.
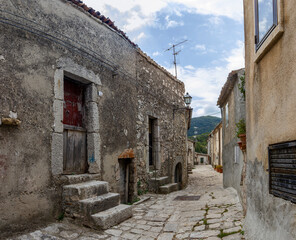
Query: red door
{"x": 74, "y": 132}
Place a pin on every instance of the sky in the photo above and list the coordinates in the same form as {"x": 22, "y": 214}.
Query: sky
{"x": 213, "y": 28}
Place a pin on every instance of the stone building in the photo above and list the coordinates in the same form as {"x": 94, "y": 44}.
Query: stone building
{"x": 81, "y": 104}
{"x": 215, "y": 146}
{"x": 201, "y": 159}
{"x": 232, "y": 104}
{"x": 270, "y": 118}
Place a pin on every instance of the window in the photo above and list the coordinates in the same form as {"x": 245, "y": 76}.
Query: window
{"x": 226, "y": 115}
{"x": 266, "y": 20}
{"x": 282, "y": 170}
{"x": 236, "y": 153}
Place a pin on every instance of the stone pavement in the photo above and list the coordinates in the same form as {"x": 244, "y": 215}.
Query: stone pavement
{"x": 204, "y": 210}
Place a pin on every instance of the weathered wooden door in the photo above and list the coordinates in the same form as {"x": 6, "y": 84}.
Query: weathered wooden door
{"x": 75, "y": 159}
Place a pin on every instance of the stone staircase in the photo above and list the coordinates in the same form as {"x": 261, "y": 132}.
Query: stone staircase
{"x": 162, "y": 185}
{"x": 89, "y": 202}
{"x": 189, "y": 168}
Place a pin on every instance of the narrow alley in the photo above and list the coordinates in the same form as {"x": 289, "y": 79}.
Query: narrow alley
{"x": 204, "y": 210}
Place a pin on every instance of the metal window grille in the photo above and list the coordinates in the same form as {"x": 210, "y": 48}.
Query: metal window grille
{"x": 282, "y": 170}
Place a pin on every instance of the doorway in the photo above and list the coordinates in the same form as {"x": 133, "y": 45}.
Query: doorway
{"x": 74, "y": 134}
{"x": 178, "y": 175}
{"x": 125, "y": 179}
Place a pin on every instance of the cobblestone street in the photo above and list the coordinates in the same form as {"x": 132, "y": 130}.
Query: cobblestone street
{"x": 204, "y": 210}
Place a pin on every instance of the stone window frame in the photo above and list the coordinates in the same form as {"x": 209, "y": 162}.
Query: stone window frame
{"x": 273, "y": 35}
{"x": 66, "y": 67}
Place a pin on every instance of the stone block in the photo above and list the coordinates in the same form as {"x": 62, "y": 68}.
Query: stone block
{"x": 59, "y": 84}
{"x": 166, "y": 236}
{"x": 92, "y": 117}
{"x": 57, "y": 153}
{"x": 58, "y": 116}
{"x": 230, "y": 230}
{"x": 78, "y": 178}
{"x": 99, "y": 203}
{"x": 112, "y": 216}
{"x": 91, "y": 93}
{"x": 168, "y": 188}
{"x": 79, "y": 191}
{"x": 205, "y": 234}
{"x": 171, "y": 227}
{"x": 93, "y": 153}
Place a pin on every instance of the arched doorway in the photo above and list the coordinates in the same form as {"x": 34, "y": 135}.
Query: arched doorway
{"x": 178, "y": 174}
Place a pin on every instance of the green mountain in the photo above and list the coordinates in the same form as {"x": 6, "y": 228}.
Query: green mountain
{"x": 204, "y": 124}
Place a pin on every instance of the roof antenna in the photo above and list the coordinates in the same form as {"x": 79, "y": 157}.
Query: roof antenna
{"x": 175, "y": 54}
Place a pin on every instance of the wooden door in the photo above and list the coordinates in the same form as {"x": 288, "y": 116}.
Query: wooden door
{"x": 75, "y": 157}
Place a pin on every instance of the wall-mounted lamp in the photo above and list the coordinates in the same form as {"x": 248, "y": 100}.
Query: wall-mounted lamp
{"x": 187, "y": 100}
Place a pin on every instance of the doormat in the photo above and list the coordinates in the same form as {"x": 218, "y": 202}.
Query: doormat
{"x": 187, "y": 198}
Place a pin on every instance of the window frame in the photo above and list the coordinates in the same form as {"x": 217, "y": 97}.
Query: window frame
{"x": 275, "y": 23}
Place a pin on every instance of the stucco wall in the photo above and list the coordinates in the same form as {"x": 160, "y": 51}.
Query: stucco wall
{"x": 270, "y": 114}
{"x": 131, "y": 89}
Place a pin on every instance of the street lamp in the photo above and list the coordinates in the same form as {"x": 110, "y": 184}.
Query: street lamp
{"x": 187, "y": 99}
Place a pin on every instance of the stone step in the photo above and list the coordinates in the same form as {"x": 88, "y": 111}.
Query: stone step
{"x": 79, "y": 178}
{"x": 155, "y": 183}
{"x": 79, "y": 191}
{"x": 168, "y": 188}
{"x": 112, "y": 216}
{"x": 100, "y": 203}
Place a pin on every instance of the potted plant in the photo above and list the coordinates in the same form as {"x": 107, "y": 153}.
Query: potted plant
{"x": 219, "y": 168}
{"x": 241, "y": 133}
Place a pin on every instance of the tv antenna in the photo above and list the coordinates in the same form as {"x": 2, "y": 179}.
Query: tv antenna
{"x": 175, "y": 54}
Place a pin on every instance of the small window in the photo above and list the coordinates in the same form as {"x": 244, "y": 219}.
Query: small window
{"x": 226, "y": 115}
{"x": 266, "y": 19}
{"x": 282, "y": 170}
{"x": 236, "y": 153}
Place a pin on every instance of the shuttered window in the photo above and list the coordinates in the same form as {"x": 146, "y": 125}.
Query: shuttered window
{"x": 282, "y": 170}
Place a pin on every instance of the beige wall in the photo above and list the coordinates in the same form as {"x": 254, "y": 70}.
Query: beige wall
{"x": 215, "y": 139}
{"x": 270, "y": 114}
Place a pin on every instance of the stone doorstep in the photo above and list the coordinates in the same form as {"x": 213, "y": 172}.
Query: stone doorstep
{"x": 159, "y": 181}
{"x": 112, "y": 216}
{"x": 168, "y": 188}
{"x": 79, "y": 178}
{"x": 98, "y": 204}
{"x": 79, "y": 191}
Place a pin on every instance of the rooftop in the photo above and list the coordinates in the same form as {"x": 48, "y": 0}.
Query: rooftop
{"x": 228, "y": 86}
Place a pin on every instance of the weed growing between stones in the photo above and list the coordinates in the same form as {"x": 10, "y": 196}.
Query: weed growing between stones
{"x": 223, "y": 234}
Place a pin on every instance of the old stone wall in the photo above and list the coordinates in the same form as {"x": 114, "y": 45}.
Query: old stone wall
{"x": 233, "y": 165}
{"x": 51, "y": 39}
{"x": 270, "y": 114}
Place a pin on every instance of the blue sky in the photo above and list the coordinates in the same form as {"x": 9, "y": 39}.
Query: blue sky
{"x": 213, "y": 28}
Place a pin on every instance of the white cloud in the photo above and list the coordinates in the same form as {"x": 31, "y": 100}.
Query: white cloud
{"x": 156, "y": 54}
{"x": 200, "y": 47}
{"x": 205, "y": 84}
{"x": 215, "y": 20}
{"x": 236, "y": 58}
{"x": 171, "y": 23}
{"x": 135, "y": 14}
{"x": 139, "y": 37}
{"x": 190, "y": 67}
